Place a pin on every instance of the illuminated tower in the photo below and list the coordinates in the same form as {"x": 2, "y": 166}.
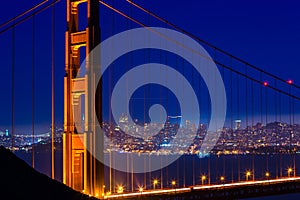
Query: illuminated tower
{"x": 81, "y": 170}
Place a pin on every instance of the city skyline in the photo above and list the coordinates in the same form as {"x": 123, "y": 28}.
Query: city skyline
{"x": 264, "y": 56}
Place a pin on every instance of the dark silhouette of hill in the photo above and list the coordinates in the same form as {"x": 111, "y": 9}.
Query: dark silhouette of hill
{"x": 20, "y": 181}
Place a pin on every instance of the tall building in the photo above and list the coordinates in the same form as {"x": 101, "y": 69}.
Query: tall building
{"x": 174, "y": 119}
{"x": 187, "y": 124}
{"x": 123, "y": 121}
{"x": 238, "y": 124}
{"x": 6, "y": 133}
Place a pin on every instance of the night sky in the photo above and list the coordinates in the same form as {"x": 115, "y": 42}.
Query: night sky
{"x": 264, "y": 33}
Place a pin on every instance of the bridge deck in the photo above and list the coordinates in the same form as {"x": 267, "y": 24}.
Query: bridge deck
{"x": 224, "y": 191}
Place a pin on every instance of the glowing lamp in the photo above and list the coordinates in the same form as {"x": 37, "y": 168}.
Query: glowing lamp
{"x": 141, "y": 189}
{"x": 267, "y": 174}
{"x": 120, "y": 189}
{"x": 173, "y": 183}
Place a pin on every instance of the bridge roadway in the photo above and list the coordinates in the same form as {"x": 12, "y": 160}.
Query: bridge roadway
{"x": 221, "y": 191}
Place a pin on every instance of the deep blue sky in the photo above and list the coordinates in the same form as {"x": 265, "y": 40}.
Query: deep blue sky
{"x": 264, "y": 33}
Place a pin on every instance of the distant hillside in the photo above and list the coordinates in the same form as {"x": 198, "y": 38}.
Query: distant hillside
{"x": 19, "y": 181}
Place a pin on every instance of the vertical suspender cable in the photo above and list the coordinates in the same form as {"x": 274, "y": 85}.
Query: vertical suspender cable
{"x": 113, "y": 169}
{"x": 290, "y": 124}
{"x": 261, "y": 106}
{"x": 144, "y": 121}
{"x": 281, "y": 130}
{"x": 238, "y": 135}
{"x": 53, "y": 99}
{"x": 209, "y": 156}
{"x": 267, "y": 138}
{"x": 127, "y": 154}
{"x": 111, "y": 129}
{"x": 252, "y": 128}
{"x": 276, "y": 120}
{"x": 32, "y": 85}
{"x": 231, "y": 117}
{"x": 148, "y": 88}
{"x": 224, "y": 131}
{"x": 161, "y": 174}
{"x": 13, "y": 89}
{"x": 186, "y": 153}
{"x": 247, "y": 120}
{"x": 293, "y": 132}
{"x": 295, "y": 151}
{"x": 200, "y": 129}
{"x": 193, "y": 153}
{"x": 217, "y": 157}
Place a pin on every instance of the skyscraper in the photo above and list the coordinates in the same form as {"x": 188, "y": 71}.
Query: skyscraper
{"x": 238, "y": 124}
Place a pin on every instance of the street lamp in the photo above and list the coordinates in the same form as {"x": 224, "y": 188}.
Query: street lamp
{"x": 103, "y": 191}
{"x": 173, "y": 183}
{"x": 141, "y": 189}
{"x": 120, "y": 189}
{"x": 290, "y": 170}
{"x": 155, "y": 182}
{"x": 248, "y": 173}
{"x": 203, "y": 178}
{"x": 222, "y": 178}
{"x": 267, "y": 175}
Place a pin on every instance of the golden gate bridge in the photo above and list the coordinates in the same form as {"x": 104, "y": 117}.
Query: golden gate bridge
{"x": 257, "y": 96}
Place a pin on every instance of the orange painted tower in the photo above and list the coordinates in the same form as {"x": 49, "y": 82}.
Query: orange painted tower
{"x": 81, "y": 170}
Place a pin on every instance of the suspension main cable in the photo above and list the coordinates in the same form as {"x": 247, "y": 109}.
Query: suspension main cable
{"x": 207, "y": 43}
{"x": 29, "y": 16}
{"x": 23, "y": 13}
{"x": 198, "y": 53}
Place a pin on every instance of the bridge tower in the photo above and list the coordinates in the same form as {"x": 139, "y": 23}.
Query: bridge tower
{"x": 81, "y": 170}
